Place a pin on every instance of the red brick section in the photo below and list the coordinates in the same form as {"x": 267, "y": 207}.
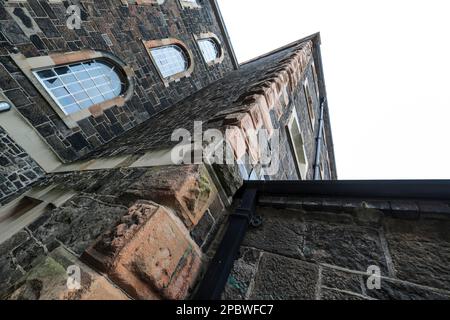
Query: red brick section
{"x": 149, "y": 254}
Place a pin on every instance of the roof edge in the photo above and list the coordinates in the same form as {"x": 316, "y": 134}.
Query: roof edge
{"x": 315, "y": 37}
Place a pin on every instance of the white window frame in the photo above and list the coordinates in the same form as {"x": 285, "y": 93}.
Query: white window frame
{"x": 29, "y": 65}
{"x": 212, "y": 37}
{"x": 297, "y": 143}
{"x": 74, "y": 74}
{"x": 151, "y": 44}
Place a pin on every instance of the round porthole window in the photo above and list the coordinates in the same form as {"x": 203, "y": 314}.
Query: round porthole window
{"x": 4, "y": 106}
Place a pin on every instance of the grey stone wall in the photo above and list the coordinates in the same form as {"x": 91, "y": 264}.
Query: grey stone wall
{"x": 322, "y": 249}
{"x": 38, "y": 28}
{"x": 17, "y": 169}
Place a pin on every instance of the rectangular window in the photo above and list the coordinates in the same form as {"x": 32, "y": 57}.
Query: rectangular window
{"x": 309, "y": 103}
{"x": 297, "y": 145}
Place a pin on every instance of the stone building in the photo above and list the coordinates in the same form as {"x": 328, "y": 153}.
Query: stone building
{"x": 114, "y": 116}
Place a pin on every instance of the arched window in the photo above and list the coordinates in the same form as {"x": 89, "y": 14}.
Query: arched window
{"x": 170, "y": 60}
{"x": 210, "y": 49}
{"x": 78, "y": 86}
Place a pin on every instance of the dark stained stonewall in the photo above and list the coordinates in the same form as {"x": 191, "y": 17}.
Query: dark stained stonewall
{"x": 26, "y": 20}
{"x": 6, "y": 81}
{"x": 78, "y": 223}
{"x": 200, "y": 233}
{"x": 244, "y": 270}
{"x": 397, "y": 290}
{"x": 312, "y": 237}
{"x": 12, "y": 31}
{"x": 330, "y": 294}
{"x": 420, "y": 251}
{"x": 336, "y": 279}
{"x": 281, "y": 278}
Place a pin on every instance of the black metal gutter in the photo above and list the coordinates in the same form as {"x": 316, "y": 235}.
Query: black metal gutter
{"x": 319, "y": 141}
{"x": 223, "y": 29}
{"x": 385, "y": 189}
{"x": 213, "y": 284}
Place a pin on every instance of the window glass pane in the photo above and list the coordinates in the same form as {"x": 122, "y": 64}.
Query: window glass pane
{"x": 68, "y": 79}
{"x": 86, "y": 104}
{"x": 170, "y": 60}
{"x": 88, "y": 84}
{"x": 62, "y": 70}
{"x": 53, "y": 83}
{"x": 209, "y": 49}
{"x": 45, "y": 74}
{"x": 72, "y": 109}
{"x": 74, "y": 88}
{"x": 79, "y": 86}
{"x": 66, "y": 101}
{"x": 76, "y": 67}
{"x": 93, "y": 93}
{"x": 81, "y": 96}
{"x": 60, "y": 92}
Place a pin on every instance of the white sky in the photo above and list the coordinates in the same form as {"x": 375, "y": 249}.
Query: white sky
{"x": 387, "y": 68}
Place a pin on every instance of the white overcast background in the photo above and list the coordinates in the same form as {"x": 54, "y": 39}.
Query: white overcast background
{"x": 387, "y": 69}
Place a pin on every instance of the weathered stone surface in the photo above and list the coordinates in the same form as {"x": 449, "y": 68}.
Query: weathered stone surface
{"x": 420, "y": 251}
{"x": 397, "y": 290}
{"x": 27, "y": 253}
{"x": 281, "y": 278}
{"x": 13, "y": 242}
{"x": 330, "y": 294}
{"x": 186, "y": 189}
{"x": 17, "y": 169}
{"x": 244, "y": 269}
{"x": 149, "y": 254}
{"x": 48, "y": 281}
{"x": 9, "y": 274}
{"x": 341, "y": 280}
{"x": 78, "y": 223}
{"x": 201, "y": 232}
{"x": 229, "y": 177}
{"x": 307, "y": 237}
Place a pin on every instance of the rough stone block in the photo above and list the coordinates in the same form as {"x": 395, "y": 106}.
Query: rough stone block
{"x": 78, "y": 223}
{"x": 341, "y": 280}
{"x": 420, "y": 251}
{"x": 48, "y": 281}
{"x": 201, "y": 232}
{"x": 330, "y": 294}
{"x": 244, "y": 269}
{"x": 281, "y": 278}
{"x": 230, "y": 178}
{"x": 397, "y": 290}
{"x": 318, "y": 237}
{"x": 186, "y": 189}
{"x": 149, "y": 254}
